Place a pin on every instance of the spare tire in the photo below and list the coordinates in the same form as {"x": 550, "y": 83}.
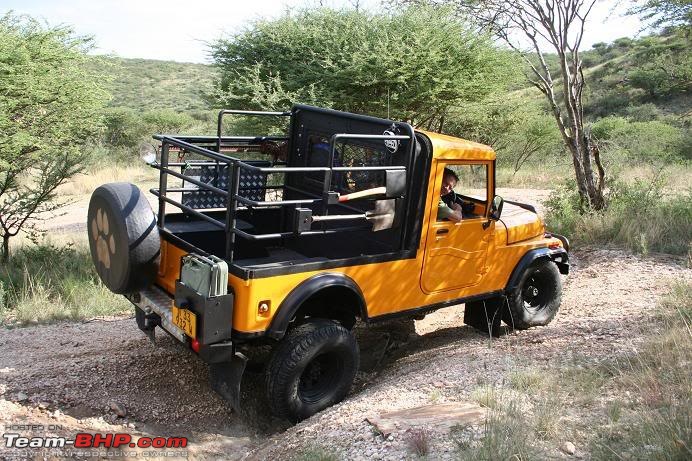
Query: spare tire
{"x": 123, "y": 237}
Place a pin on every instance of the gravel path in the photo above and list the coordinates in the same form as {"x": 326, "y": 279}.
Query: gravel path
{"x": 79, "y": 375}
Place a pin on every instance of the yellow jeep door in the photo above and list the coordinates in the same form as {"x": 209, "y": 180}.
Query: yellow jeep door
{"x": 455, "y": 252}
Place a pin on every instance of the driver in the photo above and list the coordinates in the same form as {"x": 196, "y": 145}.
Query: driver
{"x": 448, "y": 208}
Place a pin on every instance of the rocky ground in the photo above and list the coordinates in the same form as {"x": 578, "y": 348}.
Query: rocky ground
{"x": 105, "y": 376}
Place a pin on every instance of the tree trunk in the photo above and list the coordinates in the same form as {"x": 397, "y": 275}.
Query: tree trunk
{"x": 5, "y": 248}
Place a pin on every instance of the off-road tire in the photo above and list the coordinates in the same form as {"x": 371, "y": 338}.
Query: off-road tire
{"x": 311, "y": 369}
{"x": 123, "y": 237}
{"x": 537, "y": 297}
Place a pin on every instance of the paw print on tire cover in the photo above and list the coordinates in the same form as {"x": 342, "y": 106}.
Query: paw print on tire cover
{"x": 105, "y": 241}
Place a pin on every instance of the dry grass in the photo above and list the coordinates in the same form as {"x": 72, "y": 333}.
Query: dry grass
{"x": 419, "y": 442}
{"x": 47, "y": 282}
{"x": 637, "y": 405}
{"x": 316, "y": 453}
{"x": 84, "y": 184}
{"x": 533, "y": 176}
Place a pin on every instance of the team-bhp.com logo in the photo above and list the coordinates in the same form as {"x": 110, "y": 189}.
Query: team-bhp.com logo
{"x": 84, "y": 440}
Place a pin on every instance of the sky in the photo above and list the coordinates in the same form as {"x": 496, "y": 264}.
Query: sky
{"x": 180, "y": 30}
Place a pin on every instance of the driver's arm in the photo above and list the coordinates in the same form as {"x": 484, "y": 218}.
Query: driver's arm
{"x": 445, "y": 212}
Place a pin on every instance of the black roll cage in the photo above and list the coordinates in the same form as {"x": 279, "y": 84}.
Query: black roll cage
{"x": 232, "y": 196}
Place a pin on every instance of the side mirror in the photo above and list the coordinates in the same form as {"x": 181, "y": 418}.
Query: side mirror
{"x": 395, "y": 183}
{"x": 148, "y": 153}
{"x": 496, "y": 208}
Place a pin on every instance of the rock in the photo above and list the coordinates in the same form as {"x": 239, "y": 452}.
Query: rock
{"x": 21, "y": 397}
{"x": 568, "y": 448}
{"x": 118, "y": 409}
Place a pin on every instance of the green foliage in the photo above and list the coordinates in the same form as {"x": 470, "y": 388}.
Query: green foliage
{"x": 48, "y": 111}
{"x": 45, "y": 283}
{"x": 413, "y": 65}
{"x": 148, "y": 84}
{"x": 663, "y": 12}
{"x": 123, "y": 127}
{"x": 662, "y": 68}
{"x": 126, "y": 129}
{"x": 641, "y": 141}
{"x": 639, "y": 217}
{"x": 651, "y": 70}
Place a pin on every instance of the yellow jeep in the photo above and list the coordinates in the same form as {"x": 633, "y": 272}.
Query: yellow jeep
{"x": 289, "y": 240}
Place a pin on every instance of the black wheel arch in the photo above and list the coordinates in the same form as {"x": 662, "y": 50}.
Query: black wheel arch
{"x": 309, "y": 299}
{"x": 558, "y": 256}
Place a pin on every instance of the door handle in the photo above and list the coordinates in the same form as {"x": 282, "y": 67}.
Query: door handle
{"x": 441, "y": 231}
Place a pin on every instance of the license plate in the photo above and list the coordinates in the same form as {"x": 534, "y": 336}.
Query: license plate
{"x": 186, "y": 321}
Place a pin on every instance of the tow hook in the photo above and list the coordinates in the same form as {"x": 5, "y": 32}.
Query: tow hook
{"x": 147, "y": 322}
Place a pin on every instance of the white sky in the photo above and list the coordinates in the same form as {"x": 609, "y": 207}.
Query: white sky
{"x": 178, "y": 30}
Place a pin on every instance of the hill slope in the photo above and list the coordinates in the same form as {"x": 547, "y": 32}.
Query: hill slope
{"x": 146, "y": 84}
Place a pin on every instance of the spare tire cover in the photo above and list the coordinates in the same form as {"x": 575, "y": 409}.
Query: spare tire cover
{"x": 123, "y": 237}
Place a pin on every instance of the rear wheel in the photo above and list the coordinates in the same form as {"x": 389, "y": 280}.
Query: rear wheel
{"x": 536, "y": 299}
{"x": 311, "y": 369}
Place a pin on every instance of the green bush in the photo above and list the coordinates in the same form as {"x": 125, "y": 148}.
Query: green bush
{"x": 643, "y": 113}
{"x": 639, "y": 217}
{"x": 123, "y": 127}
{"x": 642, "y": 141}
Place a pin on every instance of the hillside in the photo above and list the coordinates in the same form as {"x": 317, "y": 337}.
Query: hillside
{"x": 146, "y": 84}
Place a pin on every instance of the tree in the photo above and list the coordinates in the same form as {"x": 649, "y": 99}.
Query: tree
{"x": 48, "y": 110}
{"x": 411, "y": 65}
{"x": 659, "y": 13}
{"x": 557, "y": 25}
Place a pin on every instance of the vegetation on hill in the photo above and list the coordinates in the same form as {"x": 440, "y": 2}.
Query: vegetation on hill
{"x": 147, "y": 84}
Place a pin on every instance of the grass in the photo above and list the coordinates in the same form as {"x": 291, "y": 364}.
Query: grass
{"x": 419, "y": 442}
{"x": 636, "y": 405}
{"x": 316, "y": 453}
{"x": 641, "y": 216}
{"x": 47, "y": 283}
{"x": 84, "y": 183}
{"x": 506, "y": 435}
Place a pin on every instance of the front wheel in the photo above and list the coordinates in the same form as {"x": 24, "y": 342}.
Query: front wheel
{"x": 311, "y": 369}
{"x": 536, "y": 299}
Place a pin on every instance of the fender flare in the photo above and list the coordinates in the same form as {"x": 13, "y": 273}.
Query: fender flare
{"x": 558, "y": 256}
{"x": 301, "y": 293}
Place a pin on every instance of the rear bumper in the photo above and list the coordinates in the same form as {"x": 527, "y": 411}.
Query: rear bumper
{"x": 214, "y": 316}
{"x": 153, "y": 301}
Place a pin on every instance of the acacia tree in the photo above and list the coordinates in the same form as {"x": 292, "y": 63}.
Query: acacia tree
{"x": 410, "y": 65}
{"x": 48, "y": 110}
{"x": 555, "y": 25}
{"x": 659, "y": 13}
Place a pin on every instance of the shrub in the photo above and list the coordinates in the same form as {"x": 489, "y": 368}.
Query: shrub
{"x": 639, "y": 217}
{"x": 643, "y": 113}
{"x": 123, "y": 127}
{"x": 419, "y": 442}
{"x": 642, "y": 141}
